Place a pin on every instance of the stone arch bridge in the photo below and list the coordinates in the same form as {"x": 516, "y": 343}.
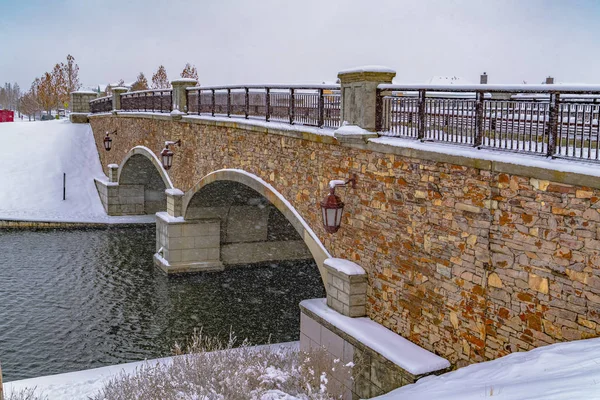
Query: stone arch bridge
{"x": 470, "y": 256}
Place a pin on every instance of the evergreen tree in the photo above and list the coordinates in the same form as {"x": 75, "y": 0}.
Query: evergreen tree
{"x": 141, "y": 83}
{"x": 160, "y": 79}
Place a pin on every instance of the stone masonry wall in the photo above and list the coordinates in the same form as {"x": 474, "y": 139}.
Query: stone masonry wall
{"x": 466, "y": 262}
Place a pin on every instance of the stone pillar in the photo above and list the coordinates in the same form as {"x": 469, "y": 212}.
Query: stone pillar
{"x": 174, "y": 202}
{"x": 113, "y": 172}
{"x": 80, "y": 106}
{"x": 346, "y": 287}
{"x": 359, "y": 99}
{"x": 187, "y": 246}
{"x": 116, "y": 97}
{"x": 180, "y": 105}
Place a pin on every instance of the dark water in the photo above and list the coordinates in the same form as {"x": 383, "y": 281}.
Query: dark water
{"x": 74, "y": 299}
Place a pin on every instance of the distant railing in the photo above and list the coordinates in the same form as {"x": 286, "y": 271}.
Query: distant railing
{"x": 148, "y": 100}
{"x": 556, "y": 122}
{"x": 101, "y": 105}
{"x": 317, "y": 105}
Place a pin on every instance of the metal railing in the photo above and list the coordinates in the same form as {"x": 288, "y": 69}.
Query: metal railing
{"x": 535, "y": 119}
{"x": 317, "y": 105}
{"x": 159, "y": 100}
{"x": 101, "y": 105}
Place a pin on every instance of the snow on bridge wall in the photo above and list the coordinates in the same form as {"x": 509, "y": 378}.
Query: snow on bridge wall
{"x": 470, "y": 258}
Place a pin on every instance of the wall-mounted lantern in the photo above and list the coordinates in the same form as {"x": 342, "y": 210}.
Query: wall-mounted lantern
{"x": 108, "y": 140}
{"x": 167, "y": 155}
{"x": 332, "y": 206}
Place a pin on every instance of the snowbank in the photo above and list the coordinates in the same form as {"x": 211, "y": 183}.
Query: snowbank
{"x": 80, "y": 385}
{"x": 36, "y": 156}
{"x": 564, "y": 371}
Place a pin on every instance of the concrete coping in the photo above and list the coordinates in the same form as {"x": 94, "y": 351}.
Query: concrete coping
{"x": 368, "y": 68}
{"x": 344, "y": 267}
{"x": 113, "y": 166}
{"x": 184, "y": 81}
{"x": 391, "y": 346}
{"x": 174, "y": 192}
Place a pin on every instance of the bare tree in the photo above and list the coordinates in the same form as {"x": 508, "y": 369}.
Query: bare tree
{"x": 141, "y": 83}
{"x": 189, "y": 71}
{"x": 160, "y": 79}
{"x": 71, "y": 71}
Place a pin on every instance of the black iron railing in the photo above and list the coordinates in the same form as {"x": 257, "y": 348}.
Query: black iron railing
{"x": 537, "y": 119}
{"x": 159, "y": 100}
{"x": 101, "y": 105}
{"x": 317, "y": 105}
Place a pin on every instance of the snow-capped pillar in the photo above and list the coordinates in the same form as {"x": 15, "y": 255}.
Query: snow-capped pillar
{"x": 359, "y": 100}
{"x": 346, "y": 287}
{"x": 113, "y": 172}
{"x": 180, "y": 105}
{"x": 174, "y": 202}
{"x": 116, "y": 97}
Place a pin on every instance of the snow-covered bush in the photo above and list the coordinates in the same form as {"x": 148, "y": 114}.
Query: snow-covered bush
{"x": 208, "y": 369}
{"x": 25, "y": 394}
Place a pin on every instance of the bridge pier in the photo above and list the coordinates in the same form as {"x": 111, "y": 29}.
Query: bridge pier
{"x": 186, "y": 245}
{"x": 212, "y": 232}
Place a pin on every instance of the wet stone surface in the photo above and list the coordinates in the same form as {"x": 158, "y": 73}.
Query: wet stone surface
{"x": 78, "y": 299}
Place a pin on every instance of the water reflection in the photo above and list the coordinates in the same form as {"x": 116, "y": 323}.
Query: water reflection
{"x": 77, "y": 299}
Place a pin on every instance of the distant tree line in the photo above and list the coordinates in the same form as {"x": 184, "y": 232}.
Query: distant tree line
{"x": 50, "y": 92}
{"x": 9, "y": 96}
{"x": 160, "y": 80}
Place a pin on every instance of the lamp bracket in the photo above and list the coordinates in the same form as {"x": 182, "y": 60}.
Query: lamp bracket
{"x": 170, "y": 142}
{"x": 338, "y": 182}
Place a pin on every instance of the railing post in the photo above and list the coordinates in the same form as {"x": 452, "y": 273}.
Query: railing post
{"x": 292, "y": 106}
{"x": 268, "y": 104}
{"x": 179, "y": 98}
{"x": 378, "y": 111}
{"x": 116, "y": 97}
{"x": 212, "y": 105}
{"x": 187, "y": 101}
{"x": 422, "y": 105}
{"x": 478, "y": 140}
{"x": 199, "y": 101}
{"x": 553, "y": 124}
{"x": 321, "y": 108}
{"x": 229, "y": 102}
{"x": 246, "y": 102}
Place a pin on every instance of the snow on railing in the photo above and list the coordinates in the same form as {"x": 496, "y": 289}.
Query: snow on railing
{"x": 551, "y": 120}
{"x": 313, "y": 105}
{"x": 157, "y": 100}
{"x": 101, "y": 105}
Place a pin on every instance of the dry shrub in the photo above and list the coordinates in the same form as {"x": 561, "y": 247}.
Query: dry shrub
{"x": 208, "y": 369}
{"x": 24, "y": 394}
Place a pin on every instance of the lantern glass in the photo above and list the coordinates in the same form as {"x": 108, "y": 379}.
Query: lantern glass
{"x": 107, "y": 143}
{"x": 332, "y": 208}
{"x": 167, "y": 158}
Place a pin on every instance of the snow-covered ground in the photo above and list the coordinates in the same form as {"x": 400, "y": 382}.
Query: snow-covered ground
{"x": 81, "y": 385}
{"x": 563, "y": 371}
{"x": 35, "y": 156}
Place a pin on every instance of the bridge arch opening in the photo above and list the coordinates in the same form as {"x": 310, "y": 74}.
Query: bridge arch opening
{"x": 257, "y": 224}
{"x": 142, "y": 183}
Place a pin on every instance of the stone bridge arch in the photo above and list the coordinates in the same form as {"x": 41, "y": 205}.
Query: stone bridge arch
{"x": 251, "y": 217}
{"x": 142, "y": 182}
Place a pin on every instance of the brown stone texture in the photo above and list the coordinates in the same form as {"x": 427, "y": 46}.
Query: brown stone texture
{"x": 470, "y": 264}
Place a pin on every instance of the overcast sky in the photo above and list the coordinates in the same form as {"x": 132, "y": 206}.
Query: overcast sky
{"x": 306, "y": 41}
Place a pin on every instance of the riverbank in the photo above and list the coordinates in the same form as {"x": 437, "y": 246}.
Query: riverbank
{"x": 85, "y": 384}
{"x": 41, "y": 155}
